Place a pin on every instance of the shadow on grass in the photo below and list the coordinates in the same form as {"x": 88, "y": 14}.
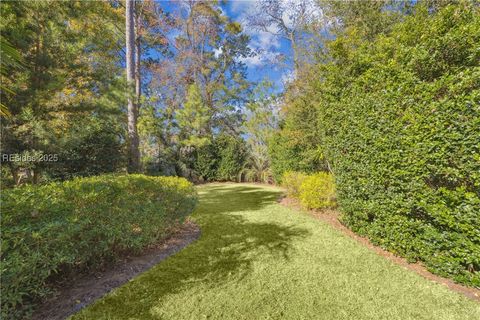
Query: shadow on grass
{"x": 226, "y": 250}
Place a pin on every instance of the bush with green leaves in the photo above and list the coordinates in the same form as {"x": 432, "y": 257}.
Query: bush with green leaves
{"x": 222, "y": 159}
{"x": 293, "y": 150}
{"x": 314, "y": 191}
{"x": 232, "y": 153}
{"x": 53, "y": 231}
{"x": 256, "y": 169}
{"x": 97, "y": 150}
{"x": 317, "y": 191}
{"x": 296, "y": 145}
{"x": 292, "y": 181}
{"x": 400, "y": 119}
{"x": 206, "y": 162}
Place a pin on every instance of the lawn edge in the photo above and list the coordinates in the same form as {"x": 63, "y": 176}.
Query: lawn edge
{"x": 331, "y": 217}
{"x": 86, "y": 290}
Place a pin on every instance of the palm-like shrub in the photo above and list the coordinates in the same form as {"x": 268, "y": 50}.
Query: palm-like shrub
{"x": 257, "y": 169}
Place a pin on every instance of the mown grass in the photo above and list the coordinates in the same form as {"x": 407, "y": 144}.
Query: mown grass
{"x": 259, "y": 260}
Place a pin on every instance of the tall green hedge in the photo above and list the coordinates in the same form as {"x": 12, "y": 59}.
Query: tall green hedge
{"x": 53, "y": 231}
{"x": 400, "y": 122}
{"x": 222, "y": 159}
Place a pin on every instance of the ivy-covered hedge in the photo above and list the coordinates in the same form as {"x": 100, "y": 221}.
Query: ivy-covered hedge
{"x": 400, "y": 122}
{"x": 51, "y": 232}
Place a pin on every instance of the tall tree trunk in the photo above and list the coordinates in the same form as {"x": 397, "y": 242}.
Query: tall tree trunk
{"x": 138, "y": 57}
{"x": 133, "y": 150}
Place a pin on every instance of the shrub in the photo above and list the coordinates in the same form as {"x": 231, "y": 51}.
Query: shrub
{"x": 256, "y": 174}
{"x": 288, "y": 151}
{"x": 206, "y": 162}
{"x": 296, "y": 145}
{"x": 317, "y": 191}
{"x": 53, "y": 231}
{"x": 232, "y": 156}
{"x": 95, "y": 152}
{"x": 292, "y": 181}
{"x": 400, "y": 122}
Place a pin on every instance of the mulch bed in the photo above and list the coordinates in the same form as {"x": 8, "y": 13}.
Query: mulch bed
{"x": 81, "y": 292}
{"x": 332, "y": 218}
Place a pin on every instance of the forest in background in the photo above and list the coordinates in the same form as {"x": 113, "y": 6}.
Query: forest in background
{"x": 66, "y": 98}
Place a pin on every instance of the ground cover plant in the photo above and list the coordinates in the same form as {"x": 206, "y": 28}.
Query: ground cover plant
{"x": 257, "y": 259}
{"x": 57, "y": 230}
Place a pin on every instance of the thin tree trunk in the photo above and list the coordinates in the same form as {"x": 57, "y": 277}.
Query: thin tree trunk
{"x": 133, "y": 150}
{"x": 295, "y": 51}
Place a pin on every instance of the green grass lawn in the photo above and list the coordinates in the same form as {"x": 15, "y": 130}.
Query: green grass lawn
{"x": 259, "y": 260}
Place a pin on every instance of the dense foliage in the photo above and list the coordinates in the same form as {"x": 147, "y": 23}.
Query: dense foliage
{"x": 65, "y": 93}
{"x": 292, "y": 181}
{"x": 313, "y": 191}
{"x": 298, "y": 147}
{"x": 397, "y": 118}
{"x": 53, "y": 231}
{"x": 221, "y": 160}
{"x": 317, "y": 191}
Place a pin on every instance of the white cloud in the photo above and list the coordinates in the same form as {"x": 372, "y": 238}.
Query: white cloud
{"x": 238, "y": 6}
{"x": 218, "y": 52}
{"x": 251, "y": 62}
{"x": 265, "y": 40}
{"x": 264, "y": 44}
{"x": 288, "y": 77}
{"x": 260, "y": 59}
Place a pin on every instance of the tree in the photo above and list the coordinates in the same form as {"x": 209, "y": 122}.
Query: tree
{"x": 232, "y": 153}
{"x": 291, "y": 20}
{"x": 70, "y": 73}
{"x": 204, "y": 51}
{"x": 11, "y": 59}
{"x": 193, "y": 119}
{"x": 132, "y": 112}
{"x": 260, "y": 124}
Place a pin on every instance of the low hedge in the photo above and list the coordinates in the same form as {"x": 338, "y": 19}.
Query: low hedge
{"x": 51, "y": 232}
{"x": 314, "y": 191}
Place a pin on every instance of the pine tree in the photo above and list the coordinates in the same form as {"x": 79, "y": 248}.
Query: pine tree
{"x": 193, "y": 119}
{"x": 133, "y": 150}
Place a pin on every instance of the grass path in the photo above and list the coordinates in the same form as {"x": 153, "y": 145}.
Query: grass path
{"x": 259, "y": 260}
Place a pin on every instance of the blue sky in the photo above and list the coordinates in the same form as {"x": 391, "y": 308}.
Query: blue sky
{"x": 265, "y": 44}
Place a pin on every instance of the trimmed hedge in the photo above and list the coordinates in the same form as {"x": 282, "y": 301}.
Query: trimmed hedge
{"x": 400, "y": 119}
{"x": 315, "y": 191}
{"x": 51, "y": 232}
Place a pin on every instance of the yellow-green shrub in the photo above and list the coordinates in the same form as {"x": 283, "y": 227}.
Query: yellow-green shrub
{"x": 56, "y": 230}
{"x": 292, "y": 181}
{"x": 317, "y": 191}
